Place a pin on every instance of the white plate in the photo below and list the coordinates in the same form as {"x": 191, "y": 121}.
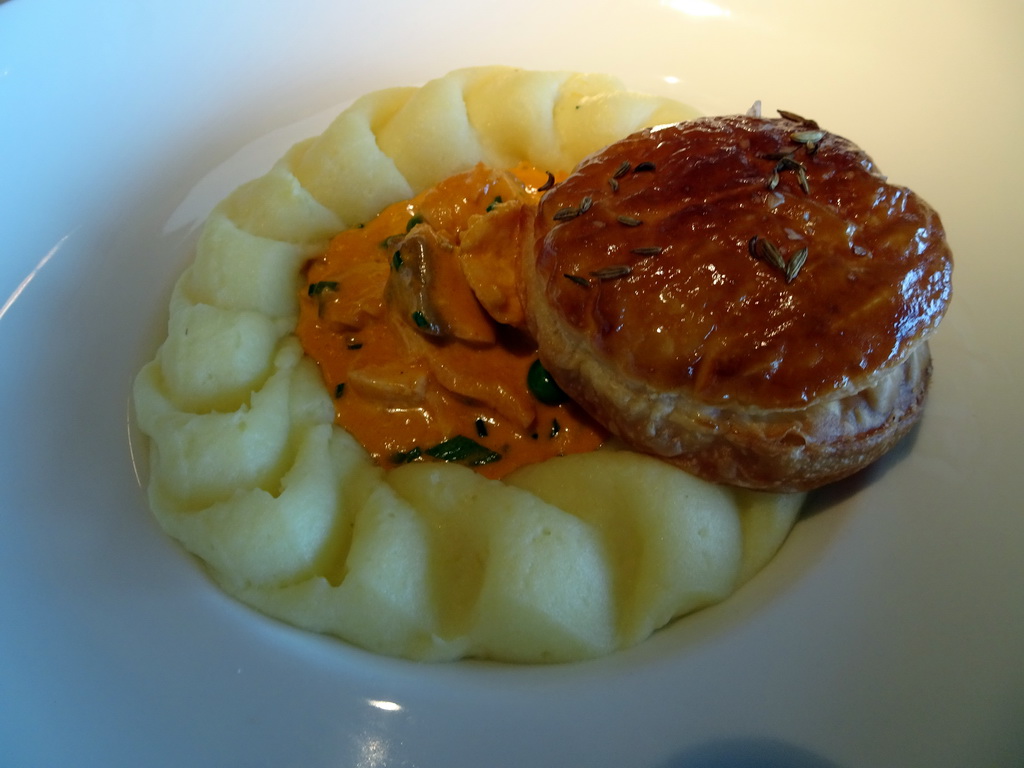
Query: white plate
{"x": 889, "y": 631}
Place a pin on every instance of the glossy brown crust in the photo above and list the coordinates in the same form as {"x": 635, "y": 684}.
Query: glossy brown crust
{"x": 652, "y": 309}
{"x": 705, "y": 314}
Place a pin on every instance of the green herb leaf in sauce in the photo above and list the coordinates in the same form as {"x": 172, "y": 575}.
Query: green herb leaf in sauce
{"x": 543, "y": 386}
{"x": 464, "y": 450}
{"x": 404, "y": 457}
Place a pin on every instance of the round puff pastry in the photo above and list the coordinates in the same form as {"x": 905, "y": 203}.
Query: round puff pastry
{"x": 746, "y": 297}
{"x": 568, "y": 559}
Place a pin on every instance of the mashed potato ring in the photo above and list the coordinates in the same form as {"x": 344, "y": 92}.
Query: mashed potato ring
{"x": 564, "y": 560}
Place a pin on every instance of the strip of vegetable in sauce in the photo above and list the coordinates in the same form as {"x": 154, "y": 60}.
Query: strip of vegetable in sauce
{"x": 416, "y": 324}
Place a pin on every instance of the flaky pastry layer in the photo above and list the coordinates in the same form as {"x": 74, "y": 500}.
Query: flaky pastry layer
{"x": 777, "y": 449}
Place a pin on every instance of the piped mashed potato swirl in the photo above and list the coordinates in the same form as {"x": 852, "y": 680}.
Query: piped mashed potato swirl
{"x": 567, "y": 559}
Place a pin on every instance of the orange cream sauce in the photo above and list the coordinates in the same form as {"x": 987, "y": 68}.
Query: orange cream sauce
{"x": 416, "y": 324}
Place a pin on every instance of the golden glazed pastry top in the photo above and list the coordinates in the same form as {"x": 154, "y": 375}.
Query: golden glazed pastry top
{"x": 678, "y": 253}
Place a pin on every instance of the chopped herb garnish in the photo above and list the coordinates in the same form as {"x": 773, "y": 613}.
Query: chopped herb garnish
{"x": 779, "y": 155}
{"x": 581, "y": 281}
{"x": 425, "y": 324}
{"x": 543, "y": 385}
{"x": 765, "y": 250}
{"x": 324, "y": 285}
{"x": 789, "y": 164}
{"x": 494, "y": 203}
{"x": 610, "y": 273}
{"x": 339, "y": 390}
{"x": 413, "y": 221}
{"x": 481, "y": 428}
{"x": 547, "y": 184}
{"x": 797, "y": 118}
{"x": 647, "y": 250}
{"x": 796, "y": 261}
{"x": 807, "y": 137}
{"x": 801, "y": 176}
{"x": 404, "y": 457}
{"x": 464, "y": 450}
